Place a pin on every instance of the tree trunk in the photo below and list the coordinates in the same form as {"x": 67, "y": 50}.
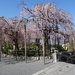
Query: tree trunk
{"x": 55, "y": 40}
{"x": 72, "y": 45}
{"x": 0, "y": 53}
{"x": 45, "y": 43}
{"x": 49, "y": 46}
{"x": 16, "y": 45}
{"x": 58, "y": 38}
{"x": 65, "y": 42}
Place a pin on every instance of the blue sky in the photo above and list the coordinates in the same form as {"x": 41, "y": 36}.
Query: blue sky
{"x": 9, "y": 8}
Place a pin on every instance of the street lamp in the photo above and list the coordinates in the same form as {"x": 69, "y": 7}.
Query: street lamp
{"x": 24, "y": 23}
{"x": 43, "y": 47}
{"x": 43, "y": 38}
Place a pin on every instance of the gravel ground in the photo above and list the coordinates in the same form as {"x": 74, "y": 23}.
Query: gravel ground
{"x": 8, "y": 66}
{"x": 60, "y": 68}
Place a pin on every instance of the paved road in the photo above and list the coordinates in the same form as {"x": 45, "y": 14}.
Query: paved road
{"x": 9, "y": 66}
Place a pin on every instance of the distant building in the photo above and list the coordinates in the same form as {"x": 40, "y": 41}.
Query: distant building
{"x": 65, "y": 46}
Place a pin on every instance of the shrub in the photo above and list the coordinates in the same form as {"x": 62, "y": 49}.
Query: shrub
{"x": 59, "y": 48}
{"x": 69, "y": 48}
